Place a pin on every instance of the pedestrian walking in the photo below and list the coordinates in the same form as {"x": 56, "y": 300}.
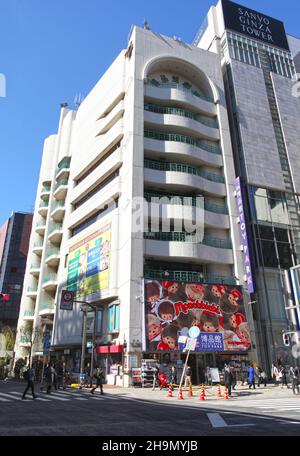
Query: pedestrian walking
{"x": 99, "y": 374}
{"x": 294, "y": 376}
{"x": 275, "y": 374}
{"x": 188, "y": 376}
{"x": 282, "y": 376}
{"x": 234, "y": 379}
{"x": 251, "y": 376}
{"x": 228, "y": 378}
{"x": 29, "y": 376}
{"x": 173, "y": 375}
{"x": 49, "y": 377}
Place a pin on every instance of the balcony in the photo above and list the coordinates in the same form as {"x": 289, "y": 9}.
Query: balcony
{"x": 55, "y": 233}
{"x": 46, "y": 308}
{"x": 182, "y": 246}
{"x": 32, "y": 292}
{"x": 25, "y": 341}
{"x": 190, "y": 140}
{"x": 29, "y": 314}
{"x": 179, "y": 93}
{"x": 181, "y": 120}
{"x": 50, "y": 282}
{"x": 215, "y": 218}
{"x": 187, "y": 276}
{"x": 41, "y": 227}
{"x": 45, "y": 191}
{"x": 38, "y": 248}
{"x": 53, "y": 257}
{"x": 183, "y": 168}
{"x": 63, "y": 170}
{"x": 43, "y": 208}
{"x": 35, "y": 269}
{"x": 61, "y": 189}
{"x": 58, "y": 211}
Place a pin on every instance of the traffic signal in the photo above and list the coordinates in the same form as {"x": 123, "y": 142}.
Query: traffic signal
{"x": 4, "y": 297}
{"x": 286, "y": 340}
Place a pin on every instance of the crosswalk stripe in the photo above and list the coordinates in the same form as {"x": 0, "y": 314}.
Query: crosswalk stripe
{"x": 97, "y": 398}
{"x": 10, "y": 396}
{"x": 57, "y": 397}
{"x": 38, "y": 398}
{"x": 4, "y": 400}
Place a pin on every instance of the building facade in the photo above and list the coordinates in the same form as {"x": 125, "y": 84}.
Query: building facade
{"x": 259, "y": 63}
{"x": 148, "y": 148}
{"x": 14, "y": 243}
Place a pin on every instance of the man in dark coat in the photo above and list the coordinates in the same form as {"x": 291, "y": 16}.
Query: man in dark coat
{"x": 228, "y": 379}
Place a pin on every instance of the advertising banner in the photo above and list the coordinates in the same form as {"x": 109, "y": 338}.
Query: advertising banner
{"x": 172, "y": 308}
{"x": 89, "y": 264}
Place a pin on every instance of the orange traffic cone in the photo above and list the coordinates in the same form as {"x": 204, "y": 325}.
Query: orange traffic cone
{"x": 226, "y": 394}
{"x": 180, "y": 397}
{"x": 202, "y": 395}
{"x": 219, "y": 391}
{"x": 170, "y": 391}
{"x": 190, "y": 393}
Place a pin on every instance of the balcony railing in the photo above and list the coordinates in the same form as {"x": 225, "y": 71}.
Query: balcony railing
{"x": 29, "y": 313}
{"x": 162, "y": 136}
{"x": 216, "y": 208}
{"x": 50, "y": 278}
{"x": 32, "y": 289}
{"x": 51, "y": 252}
{"x": 204, "y": 120}
{"x": 44, "y": 204}
{"x": 182, "y": 168}
{"x": 60, "y": 183}
{"x": 55, "y": 227}
{"x": 182, "y": 87}
{"x": 187, "y": 276}
{"x": 175, "y": 236}
{"x": 58, "y": 205}
{"x": 25, "y": 340}
{"x": 46, "y": 306}
{"x": 46, "y": 188}
{"x": 35, "y": 266}
{"x": 64, "y": 163}
{"x": 38, "y": 245}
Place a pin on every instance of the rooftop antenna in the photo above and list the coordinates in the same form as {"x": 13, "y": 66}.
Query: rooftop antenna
{"x": 78, "y": 100}
{"x": 146, "y": 25}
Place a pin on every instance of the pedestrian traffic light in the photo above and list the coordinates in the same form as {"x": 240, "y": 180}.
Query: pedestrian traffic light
{"x": 4, "y": 297}
{"x": 286, "y": 340}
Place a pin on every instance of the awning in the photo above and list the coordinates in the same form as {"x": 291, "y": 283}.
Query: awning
{"x": 110, "y": 349}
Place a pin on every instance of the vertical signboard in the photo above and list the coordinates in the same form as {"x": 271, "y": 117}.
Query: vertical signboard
{"x": 89, "y": 263}
{"x": 247, "y": 258}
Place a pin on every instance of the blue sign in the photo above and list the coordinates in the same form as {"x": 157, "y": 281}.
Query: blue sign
{"x": 210, "y": 342}
{"x": 89, "y": 344}
{"x": 247, "y": 259}
{"x": 47, "y": 343}
{"x": 194, "y": 332}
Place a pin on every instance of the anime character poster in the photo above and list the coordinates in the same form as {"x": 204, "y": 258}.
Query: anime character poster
{"x": 89, "y": 263}
{"x": 218, "y": 311}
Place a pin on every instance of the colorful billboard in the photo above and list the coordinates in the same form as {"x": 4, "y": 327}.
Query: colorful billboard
{"x": 172, "y": 308}
{"x": 89, "y": 264}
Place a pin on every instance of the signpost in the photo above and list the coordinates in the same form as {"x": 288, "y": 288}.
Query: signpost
{"x": 191, "y": 343}
{"x": 67, "y": 300}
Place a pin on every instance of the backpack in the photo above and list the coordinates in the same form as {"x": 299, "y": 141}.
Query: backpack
{"x": 26, "y": 374}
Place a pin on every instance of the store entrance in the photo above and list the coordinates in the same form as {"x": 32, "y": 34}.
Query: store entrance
{"x": 199, "y": 364}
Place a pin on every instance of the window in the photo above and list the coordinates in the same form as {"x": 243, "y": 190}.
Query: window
{"x": 113, "y": 318}
{"x": 96, "y": 189}
{"x": 99, "y": 321}
{"x": 95, "y": 217}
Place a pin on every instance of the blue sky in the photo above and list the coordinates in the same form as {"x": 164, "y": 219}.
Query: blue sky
{"x": 51, "y": 50}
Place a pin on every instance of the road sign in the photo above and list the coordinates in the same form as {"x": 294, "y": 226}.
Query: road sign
{"x": 47, "y": 344}
{"x": 191, "y": 344}
{"x": 67, "y": 299}
{"x": 89, "y": 344}
{"x": 194, "y": 332}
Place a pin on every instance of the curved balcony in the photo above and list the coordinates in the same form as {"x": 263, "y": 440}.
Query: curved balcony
{"x": 177, "y": 150}
{"x": 46, "y": 308}
{"x": 174, "y": 180}
{"x": 55, "y": 233}
{"x": 53, "y": 257}
{"x": 187, "y": 276}
{"x": 45, "y": 191}
{"x": 35, "y": 269}
{"x": 183, "y": 168}
{"x": 43, "y": 208}
{"x": 38, "y": 248}
{"x": 61, "y": 189}
{"x": 29, "y": 314}
{"x": 58, "y": 211}
{"x": 50, "y": 282}
{"x": 181, "y": 246}
{"x": 179, "y": 94}
{"x": 180, "y": 118}
{"x": 32, "y": 292}
{"x": 41, "y": 227}
{"x": 63, "y": 170}
{"x": 212, "y": 218}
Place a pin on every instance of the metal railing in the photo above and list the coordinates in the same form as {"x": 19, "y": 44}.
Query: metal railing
{"x": 25, "y": 340}
{"x": 178, "y": 86}
{"x": 61, "y": 183}
{"x": 35, "y": 266}
{"x": 46, "y": 305}
{"x": 204, "y": 120}
{"x": 175, "y": 236}
{"x": 38, "y": 245}
{"x": 32, "y": 289}
{"x": 51, "y": 252}
{"x": 182, "y": 168}
{"x": 46, "y": 188}
{"x": 50, "y": 278}
{"x": 29, "y": 313}
{"x": 58, "y": 205}
{"x": 55, "y": 227}
{"x": 187, "y": 276}
{"x": 64, "y": 163}
{"x": 162, "y": 136}
{"x": 44, "y": 204}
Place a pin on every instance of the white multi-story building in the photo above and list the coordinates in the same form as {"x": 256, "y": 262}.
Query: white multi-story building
{"x": 155, "y": 125}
